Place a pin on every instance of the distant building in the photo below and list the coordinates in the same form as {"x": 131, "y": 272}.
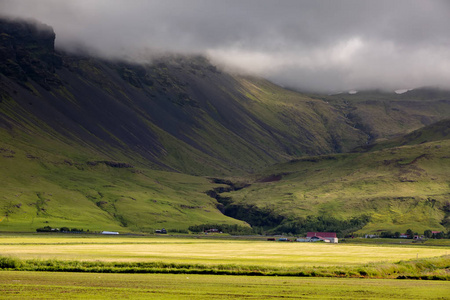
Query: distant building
{"x": 328, "y": 237}
{"x": 110, "y": 232}
{"x": 162, "y": 231}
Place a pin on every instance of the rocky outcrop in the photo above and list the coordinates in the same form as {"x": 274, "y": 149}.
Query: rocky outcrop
{"x": 27, "y": 52}
{"x": 112, "y": 164}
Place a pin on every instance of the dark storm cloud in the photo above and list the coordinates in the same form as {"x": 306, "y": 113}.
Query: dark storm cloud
{"x": 322, "y": 45}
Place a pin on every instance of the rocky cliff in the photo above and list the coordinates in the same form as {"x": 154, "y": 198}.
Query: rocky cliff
{"x": 27, "y": 52}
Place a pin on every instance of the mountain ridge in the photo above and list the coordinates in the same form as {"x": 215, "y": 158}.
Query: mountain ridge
{"x": 70, "y": 124}
{"x": 186, "y": 98}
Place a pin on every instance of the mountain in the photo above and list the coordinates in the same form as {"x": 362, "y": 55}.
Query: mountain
{"x": 178, "y": 113}
{"x": 97, "y": 143}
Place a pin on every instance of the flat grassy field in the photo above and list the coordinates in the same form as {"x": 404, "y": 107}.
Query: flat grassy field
{"x": 198, "y": 265}
{"x": 49, "y": 285}
{"x": 206, "y": 251}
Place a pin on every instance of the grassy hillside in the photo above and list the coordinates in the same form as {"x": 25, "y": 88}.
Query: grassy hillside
{"x": 383, "y": 115}
{"x": 434, "y": 132}
{"x": 179, "y": 114}
{"x": 46, "y": 189}
{"x": 397, "y": 188}
{"x": 99, "y": 144}
{"x": 182, "y": 113}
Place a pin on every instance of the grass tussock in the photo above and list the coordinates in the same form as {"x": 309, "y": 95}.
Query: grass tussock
{"x": 436, "y": 268}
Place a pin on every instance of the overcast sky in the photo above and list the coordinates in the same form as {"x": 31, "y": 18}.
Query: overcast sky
{"x": 317, "y": 45}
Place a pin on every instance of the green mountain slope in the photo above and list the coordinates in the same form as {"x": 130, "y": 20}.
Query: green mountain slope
{"x": 179, "y": 113}
{"x": 383, "y": 115}
{"x": 112, "y": 145}
{"x": 46, "y": 189}
{"x": 434, "y": 132}
{"x": 396, "y": 188}
{"x": 176, "y": 113}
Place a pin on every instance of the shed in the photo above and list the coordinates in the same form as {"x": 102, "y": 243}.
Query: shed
{"x": 329, "y": 237}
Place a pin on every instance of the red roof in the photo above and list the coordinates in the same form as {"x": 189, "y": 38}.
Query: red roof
{"x": 321, "y": 234}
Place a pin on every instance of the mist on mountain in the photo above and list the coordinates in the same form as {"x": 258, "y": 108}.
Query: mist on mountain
{"x": 325, "y": 46}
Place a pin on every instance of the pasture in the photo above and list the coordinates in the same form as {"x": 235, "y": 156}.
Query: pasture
{"x": 49, "y": 285}
{"x": 208, "y": 251}
{"x": 197, "y": 266}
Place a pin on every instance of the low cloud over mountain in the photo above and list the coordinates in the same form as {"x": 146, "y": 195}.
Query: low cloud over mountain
{"x": 327, "y": 45}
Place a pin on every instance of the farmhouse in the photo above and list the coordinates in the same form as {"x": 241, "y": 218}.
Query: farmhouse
{"x": 328, "y": 237}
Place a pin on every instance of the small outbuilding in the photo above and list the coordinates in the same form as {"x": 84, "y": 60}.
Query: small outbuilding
{"x": 328, "y": 237}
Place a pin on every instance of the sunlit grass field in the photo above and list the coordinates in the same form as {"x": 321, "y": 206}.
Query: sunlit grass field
{"x": 197, "y": 266}
{"x": 203, "y": 250}
{"x": 49, "y": 285}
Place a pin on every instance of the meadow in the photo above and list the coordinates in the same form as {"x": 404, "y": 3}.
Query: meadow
{"x": 49, "y": 285}
{"x": 205, "y": 250}
{"x": 52, "y": 266}
{"x": 205, "y": 253}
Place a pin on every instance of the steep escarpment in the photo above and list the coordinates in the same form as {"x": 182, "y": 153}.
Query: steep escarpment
{"x": 174, "y": 113}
